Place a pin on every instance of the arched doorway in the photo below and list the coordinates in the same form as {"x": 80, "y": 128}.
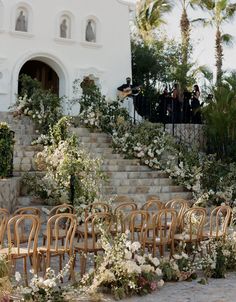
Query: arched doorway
{"x": 43, "y": 73}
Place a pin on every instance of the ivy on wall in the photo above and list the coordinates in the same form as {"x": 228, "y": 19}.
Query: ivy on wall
{"x": 6, "y": 150}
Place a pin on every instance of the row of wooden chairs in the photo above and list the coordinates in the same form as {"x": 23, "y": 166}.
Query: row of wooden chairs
{"x": 154, "y": 225}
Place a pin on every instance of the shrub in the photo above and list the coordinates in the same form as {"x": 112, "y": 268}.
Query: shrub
{"x": 6, "y": 150}
{"x": 42, "y": 106}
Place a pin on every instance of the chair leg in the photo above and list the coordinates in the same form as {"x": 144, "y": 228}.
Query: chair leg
{"x": 82, "y": 264}
{"x": 60, "y": 263}
{"x": 48, "y": 260}
{"x": 25, "y": 270}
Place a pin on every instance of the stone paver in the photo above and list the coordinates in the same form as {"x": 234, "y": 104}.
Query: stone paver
{"x": 218, "y": 290}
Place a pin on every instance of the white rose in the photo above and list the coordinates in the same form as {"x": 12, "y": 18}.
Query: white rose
{"x": 128, "y": 255}
{"x": 159, "y": 272}
{"x": 160, "y": 283}
{"x": 17, "y": 276}
{"x": 135, "y": 246}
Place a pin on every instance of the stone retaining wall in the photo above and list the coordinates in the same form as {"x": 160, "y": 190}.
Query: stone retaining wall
{"x": 190, "y": 134}
{"x": 9, "y": 192}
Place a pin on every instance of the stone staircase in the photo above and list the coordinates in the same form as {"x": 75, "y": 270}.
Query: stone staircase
{"x": 126, "y": 176}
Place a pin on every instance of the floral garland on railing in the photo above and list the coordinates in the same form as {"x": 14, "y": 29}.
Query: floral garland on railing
{"x": 196, "y": 171}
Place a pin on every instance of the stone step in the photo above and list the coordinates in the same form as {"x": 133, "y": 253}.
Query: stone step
{"x": 85, "y": 132}
{"x": 154, "y": 190}
{"x": 92, "y": 146}
{"x": 108, "y": 156}
{"x": 140, "y": 199}
{"x": 98, "y": 140}
{"x": 137, "y": 175}
{"x": 25, "y": 140}
{"x": 141, "y": 182}
{"x": 106, "y": 150}
{"x": 125, "y": 168}
{"x": 31, "y": 173}
{"x": 121, "y": 162}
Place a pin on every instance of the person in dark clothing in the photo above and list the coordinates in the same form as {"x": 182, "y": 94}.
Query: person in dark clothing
{"x": 164, "y": 106}
{"x": 195, "y": 106}
{"x": 186, "y": 107}
{"x": 127, "y": 94}
{"x": 175, "y": 106}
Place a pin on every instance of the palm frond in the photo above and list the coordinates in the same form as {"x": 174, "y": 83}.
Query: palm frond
{"x": 227, "y": 40}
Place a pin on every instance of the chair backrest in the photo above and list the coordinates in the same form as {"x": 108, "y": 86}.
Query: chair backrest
{"x": 63, "y": 221}
{"x": 31, "y": 228}
{"x": 28, "y": 210}
{"x": 123, "y": 199}
{"x": 163, "y": 226}
{"x": 92, "y": 228}
{"x": 122, "y": 215}
{"x": 138, "y": 223}
{"x": 97, "y": 207}
{"x": 193, "y": 223}
{"x": 152, "y": 197}
{"x": 4, "y": 217}
{"x": 180, "y": 205}
{"x": 62, "y": 208}
{"x": 219, "y": 221}
{"x": 152, "y": 206}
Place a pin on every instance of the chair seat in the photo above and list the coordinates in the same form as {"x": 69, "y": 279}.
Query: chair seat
{"x": 149, "y": 241}
{"x": 208, "y": 234}
{"x": 89, "y": 247}
{"x": 53, "y": 250}
{"x": 14, "y": 251}
{"x": 61, "y": 234}
{"x": 185, "y": 237}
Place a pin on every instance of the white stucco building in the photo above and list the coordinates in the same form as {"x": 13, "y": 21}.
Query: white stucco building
{"x": 58, "y": 41}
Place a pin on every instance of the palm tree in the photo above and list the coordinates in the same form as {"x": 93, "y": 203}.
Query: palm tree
{"x": 150, "y": 16}
{"x": 185, "y": 27}
{"x": 221, "y": 11}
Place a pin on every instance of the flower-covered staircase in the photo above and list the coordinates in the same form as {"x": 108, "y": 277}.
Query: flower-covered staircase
{"x": 125, "y": 176}
{"x": 128, "y": 176}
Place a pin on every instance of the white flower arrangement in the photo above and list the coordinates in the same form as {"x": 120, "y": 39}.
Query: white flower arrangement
{"x": 123, "y": 269}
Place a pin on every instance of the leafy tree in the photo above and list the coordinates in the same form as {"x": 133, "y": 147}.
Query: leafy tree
{"x": 154, "y": 65}
{"x": 220, "y": 11}
{"x": 150, "y": 15}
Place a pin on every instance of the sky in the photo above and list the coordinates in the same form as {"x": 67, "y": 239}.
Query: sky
{"x": 203, "y": 39}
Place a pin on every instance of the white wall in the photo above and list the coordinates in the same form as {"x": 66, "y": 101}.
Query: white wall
{"x": 109, "y": 59}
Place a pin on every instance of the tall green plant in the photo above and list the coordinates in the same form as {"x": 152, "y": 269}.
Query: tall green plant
{"x": 6, "y": 150}
{"x": 42, "y": 106}
{"x": 220, "y": 115}
{"x": 221, "y": 12}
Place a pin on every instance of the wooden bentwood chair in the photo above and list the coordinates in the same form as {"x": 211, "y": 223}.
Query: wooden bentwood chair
{"x": 219, "y": 221}
{"x": 161, "y": 232}
{"x": 88, "y": 241}
{"x": 192, "y": 225}
{"x": 16, "y": 249}
{"x": 54, "y": 246}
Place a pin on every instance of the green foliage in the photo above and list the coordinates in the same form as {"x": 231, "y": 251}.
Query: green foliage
{"x": 28, "y": 85}
{"x": 42, "y": 106}
{"x": 220, "y": 268}
{"x": 61, "y": 159}
{"x": 150, "y": 16}
{"x": 220, "y": 117}
{"x": 59, "y": 131}
{"x": 4, "y": 266}
{"x": 6, "y": 150}
{"x": 98, "y": 113}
